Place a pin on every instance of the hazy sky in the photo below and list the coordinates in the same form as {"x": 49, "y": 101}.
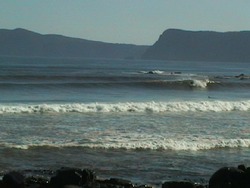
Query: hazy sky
{"x": 123, "y": 21}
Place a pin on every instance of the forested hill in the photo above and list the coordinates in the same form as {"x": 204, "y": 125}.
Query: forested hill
{"x": 183, "y": 45}
{"x": 21, "y": 42}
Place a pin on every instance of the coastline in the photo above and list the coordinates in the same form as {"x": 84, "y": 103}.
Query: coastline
{"x": 66, "y": 177}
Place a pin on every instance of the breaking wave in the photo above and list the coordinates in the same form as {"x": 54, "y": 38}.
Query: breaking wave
{"x": 160, "y": 144}
{"x": 131, "y": 107}
{"x": 200, "y": 83}
{"x": 153, "y": 72}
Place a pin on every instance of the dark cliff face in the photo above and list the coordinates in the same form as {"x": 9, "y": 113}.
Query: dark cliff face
{"x": 183, "y": 45}
{"x": 21, "y": 42}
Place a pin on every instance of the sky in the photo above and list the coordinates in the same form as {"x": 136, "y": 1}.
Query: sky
{"x": 124, "y": 21}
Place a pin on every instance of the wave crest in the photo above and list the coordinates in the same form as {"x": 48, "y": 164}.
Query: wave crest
{"x": 199, "y": 83}
{"x": 154, "y": 107}
{"x": 163, "y": 144}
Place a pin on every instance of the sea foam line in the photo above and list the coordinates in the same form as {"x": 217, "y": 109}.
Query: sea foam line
{"x": 164, "y": 144}
{"x": 154, "y": 107}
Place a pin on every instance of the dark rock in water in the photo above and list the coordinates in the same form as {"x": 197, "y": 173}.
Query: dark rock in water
{"x": 242, "y": 167}
{"x": 241, "y": 76}
{"x": 73, "y": 176}
{"x": 13, "y": 180}
{"x": 66, "y": 176}
{"x": 116, "y": 182}
{"x": 174, "y": 184}
{"x": 88, "y": 177}
{"x": 176, "y": 72}
{"x": 36, "y": 182}
{"x": 229, "y": 177}
{"x": 71, "y": 186}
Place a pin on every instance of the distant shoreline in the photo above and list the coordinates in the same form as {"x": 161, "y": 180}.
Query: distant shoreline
{"x": 172, "y": 45}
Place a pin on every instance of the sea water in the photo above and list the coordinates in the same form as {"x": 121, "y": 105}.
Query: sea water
{"x": 146, "y": 121}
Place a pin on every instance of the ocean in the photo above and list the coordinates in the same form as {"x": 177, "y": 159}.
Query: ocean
{"x": 145, "y": 121}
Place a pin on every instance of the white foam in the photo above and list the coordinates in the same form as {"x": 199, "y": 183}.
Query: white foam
{"x": 156, "y": 72}
{"x": 152, "y": 72}
{"x": 171, "y": 144}
{"x": 199, "y": 83}
{"x": 140, "y": 107}
{"x": 147, "y": 144}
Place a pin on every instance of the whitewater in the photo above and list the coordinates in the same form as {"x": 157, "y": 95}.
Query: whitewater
{"x": 139, "y": 107}
{"x": 147, "y": 121}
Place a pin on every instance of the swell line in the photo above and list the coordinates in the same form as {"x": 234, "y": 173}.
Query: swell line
{"x": 147, "y": 84}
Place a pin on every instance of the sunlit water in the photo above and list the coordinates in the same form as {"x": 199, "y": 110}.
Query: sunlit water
{"x": 147, "y": 121}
